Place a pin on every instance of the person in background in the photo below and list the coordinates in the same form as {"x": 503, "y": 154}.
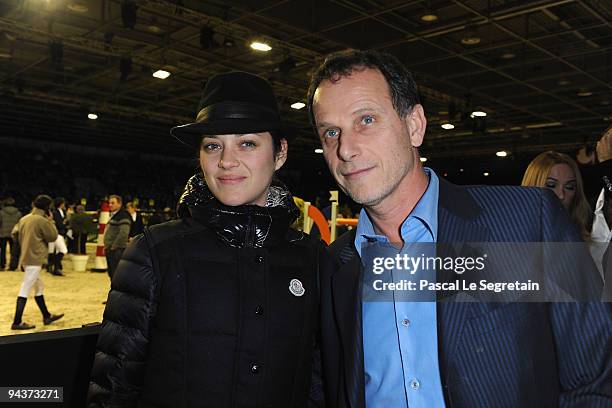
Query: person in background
{"x": 9, "y": 216}
{"x": 70, "y": 209}
{"x": 58, "y": 248}
{"x": 137, "y": 226}
{"x": 601, "y": 231}
{"x": 595, "y": 163}
{"x": 79, "y": 222}
{"x": 167, "y": 214}
{"x": 559, "y": 172}
{"x": 117, "y": 233}
{"x": 34, "y": 232}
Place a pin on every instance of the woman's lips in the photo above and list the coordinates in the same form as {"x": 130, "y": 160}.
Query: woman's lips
{"x": 230, "y": 179}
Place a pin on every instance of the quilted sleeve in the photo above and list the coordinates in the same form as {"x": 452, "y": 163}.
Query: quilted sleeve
{"x": 121, "y": 354}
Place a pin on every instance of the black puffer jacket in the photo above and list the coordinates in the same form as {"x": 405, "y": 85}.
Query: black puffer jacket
{"x": 216, "y": 309}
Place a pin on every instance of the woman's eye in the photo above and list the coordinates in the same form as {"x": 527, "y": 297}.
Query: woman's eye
{"x": 550, "y": 184}
{"x": 570, "y": 187}
{"x": 367, "y": 120}
{"x": 331, "y": 133}
{"x": 210, "y": 147}
{"x": 248, "y": 143}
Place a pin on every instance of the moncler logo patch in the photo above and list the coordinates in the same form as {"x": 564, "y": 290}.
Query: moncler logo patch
{"x": 296, "y": 288}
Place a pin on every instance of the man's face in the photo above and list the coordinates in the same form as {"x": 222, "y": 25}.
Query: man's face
{"x": 113, "y": 204}
{"x": 368, "y": 147}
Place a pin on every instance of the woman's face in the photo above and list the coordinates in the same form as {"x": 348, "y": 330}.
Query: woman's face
{"x": 562, "y": 181}
{"x": 238, "y": 168}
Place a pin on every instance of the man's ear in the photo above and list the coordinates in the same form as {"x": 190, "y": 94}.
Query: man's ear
{"x": 281, "y": 156}
{"x": 417, "y": 124}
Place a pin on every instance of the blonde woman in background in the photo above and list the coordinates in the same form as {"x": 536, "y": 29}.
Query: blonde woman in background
{"x": 560, "y": 173}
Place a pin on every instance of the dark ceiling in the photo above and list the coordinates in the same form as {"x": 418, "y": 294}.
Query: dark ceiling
{"x": 541, "y": 70}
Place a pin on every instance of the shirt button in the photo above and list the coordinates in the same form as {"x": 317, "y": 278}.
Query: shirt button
{"x": 415, "y": 384}
{"x": 255, "y": 369}
{"x": 259, "y": 259}
{"x": 259, "y": 310}
{"x": 406, "y": 322}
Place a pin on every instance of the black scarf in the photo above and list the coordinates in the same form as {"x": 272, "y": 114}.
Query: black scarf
{"x": 244, "y": 225}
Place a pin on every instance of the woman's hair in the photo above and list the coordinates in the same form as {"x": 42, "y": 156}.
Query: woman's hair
{"x": 538, "y": 171}
{"x": 276, "y": 142}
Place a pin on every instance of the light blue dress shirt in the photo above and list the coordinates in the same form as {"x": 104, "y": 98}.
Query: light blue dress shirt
{"x": 400, "y": 338}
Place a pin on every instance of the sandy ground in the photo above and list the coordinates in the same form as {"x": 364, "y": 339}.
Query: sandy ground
{"x": 79, "y": 295}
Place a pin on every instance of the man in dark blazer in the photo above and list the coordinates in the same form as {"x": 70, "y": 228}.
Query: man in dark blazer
{"x": 58, "y": 249}
{"x": 365, "y": 108}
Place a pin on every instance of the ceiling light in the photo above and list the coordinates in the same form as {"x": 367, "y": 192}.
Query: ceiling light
{"x": 260, "y": 46}
{"x": 470, "y": 41}
{"x": 485, "y": 174}
{"x": 501, "y": 153}
{"x": 92, "y": 116}
{"x": 508, "y": 55}
{"x": 478, "y": 114}
{"x": 447, "y": 126}
{"x": 470, "y": 37}
{"x": 228, "y": 42}
{"x": 461, "y": 170}
{"x": 78, "y": 7}
{"x": 584, "y": 92}
{"x": 298, "y": 105}
{"x": 563, "y": 82}
{"x": 423, "y": 159}
{"x": 430, "y": 17}
{"x": 154, "y": 29}
{"x": 161, "y": 74}
{"x": 319, "y": 151}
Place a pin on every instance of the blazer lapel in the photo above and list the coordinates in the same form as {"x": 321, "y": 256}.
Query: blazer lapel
{"x": 457, "y": 212}
{"x": 346, "y": 294}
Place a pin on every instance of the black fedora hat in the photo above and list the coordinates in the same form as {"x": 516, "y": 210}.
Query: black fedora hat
{"x": 234, "y": 102}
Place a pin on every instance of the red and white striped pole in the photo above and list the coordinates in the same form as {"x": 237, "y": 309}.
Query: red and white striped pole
{"x": 100, "y": 260}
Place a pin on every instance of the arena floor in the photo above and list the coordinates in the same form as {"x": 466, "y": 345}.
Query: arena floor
{"x": 79, "y": 295}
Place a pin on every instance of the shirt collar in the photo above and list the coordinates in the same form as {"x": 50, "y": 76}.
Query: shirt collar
{"x": 600, "y": 201}
{"x": 425, "y": 211}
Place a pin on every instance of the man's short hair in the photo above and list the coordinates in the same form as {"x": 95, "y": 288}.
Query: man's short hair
{"x": 9, "y": 201}
{"x": 403, "y": 89}
{"x": 59, "y": 201}
{"x": 42, "y": 202}
{"x": 116, "y": 197}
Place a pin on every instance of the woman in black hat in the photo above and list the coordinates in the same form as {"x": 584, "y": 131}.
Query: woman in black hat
{"x": 220, "y": 307}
